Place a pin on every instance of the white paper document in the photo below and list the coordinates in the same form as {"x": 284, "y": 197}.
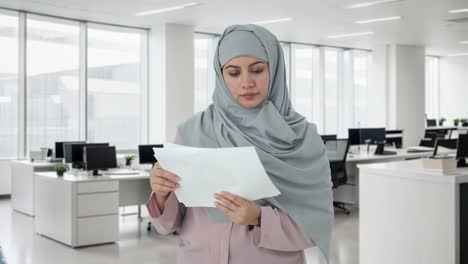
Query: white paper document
{"x": 206, "y": 171}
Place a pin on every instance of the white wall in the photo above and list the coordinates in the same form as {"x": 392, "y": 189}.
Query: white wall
{"x": 453, "y": 88}
{"x": 5, "y": 177}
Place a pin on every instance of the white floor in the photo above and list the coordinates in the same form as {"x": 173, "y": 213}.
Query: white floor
{"x": 21, "y": 245}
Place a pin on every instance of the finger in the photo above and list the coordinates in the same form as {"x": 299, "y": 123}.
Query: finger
{"x": 166, "y": 182}
{"x": 234, "y": 198}
{"x": 226, "y": 202}
{"x": 227, "y": 211}
{"x": 162, "y": 188}
{"x": 168, "y": 175}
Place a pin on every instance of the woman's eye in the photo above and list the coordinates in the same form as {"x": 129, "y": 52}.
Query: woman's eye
{"x": 233, "y": 74}
{"x": 257, "y": 71}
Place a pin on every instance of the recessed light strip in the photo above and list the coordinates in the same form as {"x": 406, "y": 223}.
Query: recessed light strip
{"x": 464, "y": 42}
{"x": 273, "y": 21}
{"x": 351, "y": 35}
{"x": 167, "y": 9}
{"x": 371, "y": 3}
{"x": 458, "y": 54}
{"x": 458, "y": 11}
{"x": 378, "y": 20}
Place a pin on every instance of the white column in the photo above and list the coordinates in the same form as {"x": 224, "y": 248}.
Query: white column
{"x": 171, "y": 80}
{"x": 377, "y": 87}
{"x": 406, "y": 91}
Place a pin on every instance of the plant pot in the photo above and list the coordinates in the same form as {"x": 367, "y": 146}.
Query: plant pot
{"x": 60, "y": 174}
{"x": 128, "y": 163}
{"x": 441, "y": 123}
{"x": 455, "y": 123}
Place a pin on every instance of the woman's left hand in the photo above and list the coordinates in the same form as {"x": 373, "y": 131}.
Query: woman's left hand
{"x": 239, "y": 210}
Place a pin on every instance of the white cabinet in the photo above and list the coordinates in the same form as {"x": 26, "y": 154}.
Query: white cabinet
{"x": 77, "y": 213}
{"x": 22, "y": 184}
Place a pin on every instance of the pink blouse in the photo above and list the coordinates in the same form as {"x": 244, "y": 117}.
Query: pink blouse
{"x": 277, "y": 240}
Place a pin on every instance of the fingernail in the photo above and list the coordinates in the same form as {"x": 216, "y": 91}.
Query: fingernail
{"x": 178, "y": 178}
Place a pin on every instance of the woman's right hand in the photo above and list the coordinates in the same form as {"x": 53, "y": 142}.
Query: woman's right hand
{"x": 162, "y": 181}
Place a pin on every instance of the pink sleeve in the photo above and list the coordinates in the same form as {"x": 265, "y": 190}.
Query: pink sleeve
{"x": 278, "y": 231}
{"x": 170, "y": 219}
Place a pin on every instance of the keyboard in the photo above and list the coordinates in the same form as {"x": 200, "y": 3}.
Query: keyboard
{"x": 120, "y": 172}
{"x": 419, "y": 149}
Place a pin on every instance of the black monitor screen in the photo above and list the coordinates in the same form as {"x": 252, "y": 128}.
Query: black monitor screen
{"x": 146, "y": 153}
{"x": 372, "y": 135}
{"x": 73, "y": 152}
{"x": 99, "y": 157}
{"x": 59, "y": 147}
{"x": 354, "y": 137}
{"x": 462, "y": 146}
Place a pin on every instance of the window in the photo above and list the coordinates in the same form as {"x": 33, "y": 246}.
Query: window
{"x": 432, "y": 87}
{"x": 52, "y": 83}
{"x": 360, "y": 75}
{"x": 114, "y": 98}
{"x": 205, "y": 78}
{"x": 8, "y": 85}
{"x": 302, "y": 81}
{"x": 331, "y": 91}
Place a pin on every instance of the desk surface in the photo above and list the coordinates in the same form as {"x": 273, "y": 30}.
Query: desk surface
{"x": 36, "y": 163}
{"x": 414, "y": 169}
{"x": 363, "y": 155}
{"x": 84, "y": 178}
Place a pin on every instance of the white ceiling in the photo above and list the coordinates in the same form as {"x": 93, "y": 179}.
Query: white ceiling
{"x": 424, "y": 21}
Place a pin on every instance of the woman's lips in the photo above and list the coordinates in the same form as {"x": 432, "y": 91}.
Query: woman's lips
{"x": 249, "y": 96}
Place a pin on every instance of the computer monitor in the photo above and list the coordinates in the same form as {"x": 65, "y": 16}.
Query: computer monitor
{"x": 354, "y": 136}
{"x": 431, "y": 122}
{"x": 99, "y": 158}
{"x": 372, "y": 135}
{"x": 73, "y": 152}
{"x": 146, "y": 154}
{"x": 462, "y": 150}
{"x": 446, "y": 143}
{"x": 59, "y": 147}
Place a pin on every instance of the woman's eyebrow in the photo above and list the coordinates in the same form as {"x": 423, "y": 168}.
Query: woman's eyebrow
{"x": 257, "y": 62}
{"x": 231, "y": 66}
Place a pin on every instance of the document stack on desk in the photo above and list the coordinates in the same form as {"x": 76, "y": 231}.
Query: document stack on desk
{"x": 206, "y": 171}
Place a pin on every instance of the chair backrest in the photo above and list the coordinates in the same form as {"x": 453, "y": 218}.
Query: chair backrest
{"x": 337, "y": 151}
{"x": 326, "y": 138}
{"x": 446, "y": 143}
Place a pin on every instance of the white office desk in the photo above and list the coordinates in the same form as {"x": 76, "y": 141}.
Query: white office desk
{"x": 410, "y": 215}
{"x": 22, "y": 183}
{"x": 84, "y": 210}
{"x": 349, "y": 194}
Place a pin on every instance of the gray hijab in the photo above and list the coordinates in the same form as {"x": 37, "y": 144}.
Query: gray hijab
{"x": 289, "y": 147}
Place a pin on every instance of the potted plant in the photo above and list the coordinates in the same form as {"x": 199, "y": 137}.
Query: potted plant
{"x": 456, "y": 121}
{"x": 60, "y": 169}
{"x": 441, "y": 121}
{"x": 128, "y": 159}
{"x": 463, "y": 120}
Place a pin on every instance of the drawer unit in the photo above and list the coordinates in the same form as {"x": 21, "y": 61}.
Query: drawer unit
{"x": 94, "y": 187}
{"x": 97, "y": 204}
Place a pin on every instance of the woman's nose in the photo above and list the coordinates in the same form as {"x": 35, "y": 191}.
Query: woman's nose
{"x": 247, "y": 81}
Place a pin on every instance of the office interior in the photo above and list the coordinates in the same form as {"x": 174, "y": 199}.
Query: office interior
{"x": 95, "y": 85}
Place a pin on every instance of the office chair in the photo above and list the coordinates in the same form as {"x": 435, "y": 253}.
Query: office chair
{"x": 446, "y": 143}
{"x": 337, "y": 150}
{"x": 430, "y": 139}
{"x": 326, "y": 138}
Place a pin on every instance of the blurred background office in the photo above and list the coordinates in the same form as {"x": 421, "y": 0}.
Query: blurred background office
{"x": 95, "y": 85}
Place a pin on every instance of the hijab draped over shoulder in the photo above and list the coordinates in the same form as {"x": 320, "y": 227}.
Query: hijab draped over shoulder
{"x": 289, "y": 147}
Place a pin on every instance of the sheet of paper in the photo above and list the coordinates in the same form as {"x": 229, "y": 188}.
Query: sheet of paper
{"x": 206, "y": 171}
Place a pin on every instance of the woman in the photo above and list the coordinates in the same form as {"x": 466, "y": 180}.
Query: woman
{"x": 251, "y": 107}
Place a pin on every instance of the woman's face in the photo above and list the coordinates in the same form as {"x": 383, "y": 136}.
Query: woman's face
{"x": 247, "y": 79}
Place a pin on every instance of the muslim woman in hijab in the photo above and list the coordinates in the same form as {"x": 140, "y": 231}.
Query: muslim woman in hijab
{"x": 251, "y": 107}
